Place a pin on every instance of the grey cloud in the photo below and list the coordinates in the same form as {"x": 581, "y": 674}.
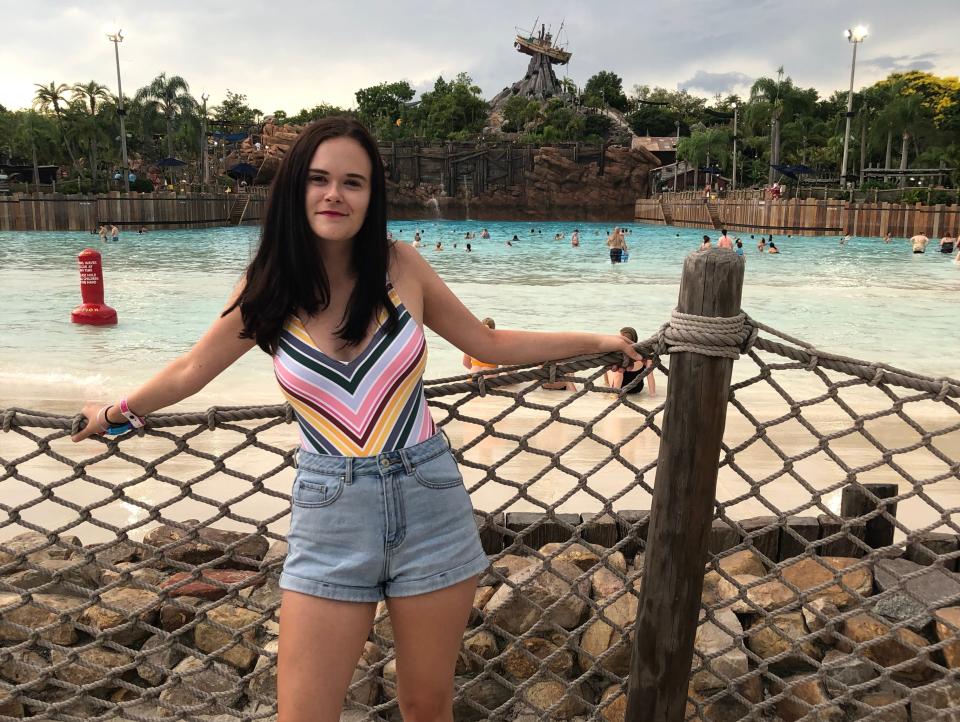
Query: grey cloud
{"x": 715, "y": 82}
{"x": 924, "y": 61}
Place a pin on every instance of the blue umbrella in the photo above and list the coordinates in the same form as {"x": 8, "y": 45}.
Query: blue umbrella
{"x": 242, "y": 170}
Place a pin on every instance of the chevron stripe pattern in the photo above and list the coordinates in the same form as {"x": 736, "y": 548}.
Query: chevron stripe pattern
{"x": 363, "y": 407}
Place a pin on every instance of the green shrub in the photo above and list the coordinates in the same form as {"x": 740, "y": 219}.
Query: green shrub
{"x": 141, "y": 185}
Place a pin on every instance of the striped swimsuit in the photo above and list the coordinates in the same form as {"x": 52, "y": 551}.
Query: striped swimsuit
{"x": 372, "y": 404}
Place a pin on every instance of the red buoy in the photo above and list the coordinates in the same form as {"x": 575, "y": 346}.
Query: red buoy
{"x": 93, "y": 310}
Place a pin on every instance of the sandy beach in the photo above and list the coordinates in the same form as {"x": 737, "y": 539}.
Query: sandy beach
{"x": 500, "y": 476}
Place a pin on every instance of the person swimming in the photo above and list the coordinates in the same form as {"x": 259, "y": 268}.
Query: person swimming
{"x": 739, "y": 247}
{"x": 469, "y": 249}
{"x": 706, "y": 243}
{"x": 485, "y": 233}
{"x": 773, "y": 248}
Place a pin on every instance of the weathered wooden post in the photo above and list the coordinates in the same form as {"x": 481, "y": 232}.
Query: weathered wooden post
{"x": 683, "y": 499}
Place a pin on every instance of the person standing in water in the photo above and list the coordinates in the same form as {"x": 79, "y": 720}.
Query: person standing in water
{"x": 333, "y": 303}
{"x": 575, "y": 238}
{"x": 919, "y": 242}
{"x": 725, "y": 241}
{"x": 705, "y": 243}
{"x": 114, "y": 233}
{"x": 617, "y": 245}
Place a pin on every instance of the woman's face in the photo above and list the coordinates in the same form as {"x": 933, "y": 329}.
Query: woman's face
{"x": 338, "y": 189}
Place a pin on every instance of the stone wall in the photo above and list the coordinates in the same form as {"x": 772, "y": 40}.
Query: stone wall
{"x": 189, "y": 618}
{"x": 557, "y": 188}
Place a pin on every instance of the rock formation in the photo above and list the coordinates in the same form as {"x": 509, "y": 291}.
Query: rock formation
{"x": 556, "y": 188}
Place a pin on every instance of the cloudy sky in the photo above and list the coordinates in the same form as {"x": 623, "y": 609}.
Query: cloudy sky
{"x": 296, "y": 54}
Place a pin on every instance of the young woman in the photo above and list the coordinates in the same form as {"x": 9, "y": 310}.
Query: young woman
{"x": 379, "y": 507}
{"x": 619, "y": 378}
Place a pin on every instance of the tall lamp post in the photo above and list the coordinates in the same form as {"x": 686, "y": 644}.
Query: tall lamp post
{"x": 676, "y": 160}
{"x": 203, "y": 143}
{"x": 855, "y": 36}
{"x": 736, "y": 108}
{"x": 117, "y": 38}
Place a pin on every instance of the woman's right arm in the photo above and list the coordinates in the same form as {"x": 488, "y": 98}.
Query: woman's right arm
{"x": 217, "y": 349}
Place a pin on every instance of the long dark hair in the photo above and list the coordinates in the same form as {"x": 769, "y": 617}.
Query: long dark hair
{"x": 287, "y": 272}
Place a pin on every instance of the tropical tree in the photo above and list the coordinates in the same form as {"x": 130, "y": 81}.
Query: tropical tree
{"x": 451, "y": 110}
{"x": 381, "y": 106}
{"x": 53, "y": 96}
{"x": 907, "y": 113}
{"x": 771, "y": 101}
{"x": 90, "y": 97}
{"x": 605, "y": 88}
{"x": 235, "y": 111}
{"x": 308, "y": 115}
{"x": 704, "y": 146}
{"x": 169, "y": 97}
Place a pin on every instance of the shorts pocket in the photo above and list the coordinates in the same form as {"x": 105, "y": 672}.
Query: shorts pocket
{"x": 440, "y": 472}
{"x": 311, "y": 489}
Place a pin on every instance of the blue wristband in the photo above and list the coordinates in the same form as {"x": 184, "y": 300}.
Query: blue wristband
{"x": 117, "y": 429}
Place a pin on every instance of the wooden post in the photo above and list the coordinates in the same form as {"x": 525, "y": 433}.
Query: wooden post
{"x": 683, "y": 499}
{"x": 416, "y": 164}
{"x": 855, "y": 503}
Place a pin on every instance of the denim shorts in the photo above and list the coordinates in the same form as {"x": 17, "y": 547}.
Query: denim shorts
{"x": 392, "y": 525}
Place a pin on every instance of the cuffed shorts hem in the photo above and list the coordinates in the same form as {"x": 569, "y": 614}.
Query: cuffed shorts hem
{"x": 337, "y": 592}
{"x": 442, "y": 580}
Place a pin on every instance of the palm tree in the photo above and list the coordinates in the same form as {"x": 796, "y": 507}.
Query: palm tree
{"x": 86, "y": 95}
{"x": 703, "y": 145}
{"x": 765, "y": 97}
{"x": 53, "y": 97}
{"x": 802, "y": 131}
{"x": 907, "y": 114}
{"x": 171, "y": 98}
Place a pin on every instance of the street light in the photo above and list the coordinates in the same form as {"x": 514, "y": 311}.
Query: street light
{"x": 736, "y": 108}
{"x": 855, "y": 36}
{"x": 203, "y": 142}
{"x": 117, "y": 38}
{"x": 676, "y": 160}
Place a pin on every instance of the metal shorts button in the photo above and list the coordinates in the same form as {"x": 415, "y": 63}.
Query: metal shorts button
{"x": 384, "y": 462}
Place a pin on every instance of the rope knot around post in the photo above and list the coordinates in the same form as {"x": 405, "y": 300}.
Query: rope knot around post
{"x": 721, "y": 336}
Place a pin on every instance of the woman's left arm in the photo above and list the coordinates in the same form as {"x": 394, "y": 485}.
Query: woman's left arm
{"x": 445, "y": 314}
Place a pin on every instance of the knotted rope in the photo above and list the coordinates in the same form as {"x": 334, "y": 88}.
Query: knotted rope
{"x": 719, "y": 336}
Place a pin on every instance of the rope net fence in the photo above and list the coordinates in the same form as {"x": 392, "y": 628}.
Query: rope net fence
{"x": 138, "y": 574}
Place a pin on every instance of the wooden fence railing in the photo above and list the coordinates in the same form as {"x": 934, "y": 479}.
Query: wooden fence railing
{"x": 57, "y": 212}
{"x": 805, "y": 217}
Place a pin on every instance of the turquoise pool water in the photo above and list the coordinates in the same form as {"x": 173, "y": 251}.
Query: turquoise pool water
{"x": 866, "y": 299}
